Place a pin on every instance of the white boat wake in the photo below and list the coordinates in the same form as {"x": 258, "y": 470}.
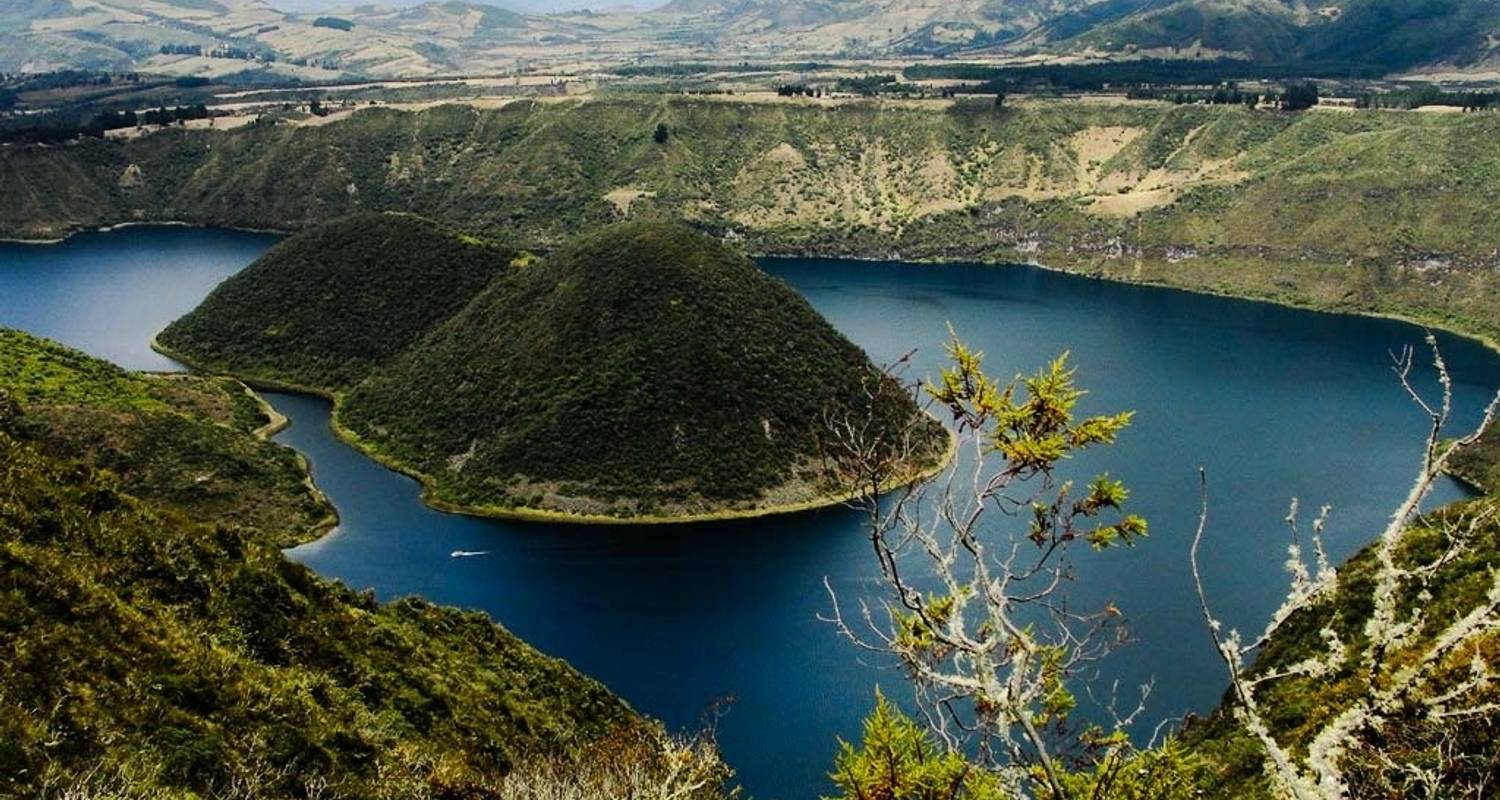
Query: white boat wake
{"x": 468, "y": 553}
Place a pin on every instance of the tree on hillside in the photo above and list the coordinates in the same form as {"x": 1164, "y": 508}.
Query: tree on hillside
{"x": 972, "y": 566}
{"x": 1300, "y": 96}
{"x": 662, "y": 133}
{"x": 1407, "y": 644}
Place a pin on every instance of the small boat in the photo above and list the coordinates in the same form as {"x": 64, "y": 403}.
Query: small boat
{"x": 468, "y": 553}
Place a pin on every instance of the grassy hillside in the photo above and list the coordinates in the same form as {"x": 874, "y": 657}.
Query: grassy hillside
{"x": 326, "y": 308}
{"x": 155, "y": 656}
{"x": 1393, "y": 35}
{"x": 186, "y": 442}
{"x": 155, "y": 643}
{"x": 645, "y": 369}
{"x": 1370, "y": 211}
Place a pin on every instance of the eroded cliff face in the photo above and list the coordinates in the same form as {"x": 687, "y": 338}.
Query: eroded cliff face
{"x": 1374, "y": 211}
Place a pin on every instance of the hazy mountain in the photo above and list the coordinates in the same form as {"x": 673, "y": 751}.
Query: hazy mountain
{"x": 524, "y": 6}
{"x": 220, "y": 37}
{"x": 401, "y": 37}
{"x": 1393, "y": 33}
{"x": 900, "y": 25}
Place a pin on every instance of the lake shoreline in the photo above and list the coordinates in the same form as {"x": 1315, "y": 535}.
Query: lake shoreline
{"x": 533, "y": 515}
{"x": 648, "y": 600}
{"x": 83, "y": 230}
{"x": 1489, "y": 342}
{"x": 1457, "y": 329}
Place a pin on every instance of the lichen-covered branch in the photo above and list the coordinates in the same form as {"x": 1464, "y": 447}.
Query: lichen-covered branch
{"x": 1402, "y": 661}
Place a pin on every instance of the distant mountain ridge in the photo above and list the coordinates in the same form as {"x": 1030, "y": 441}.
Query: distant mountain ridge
{"x": 1398, "y": 34}
{"x": 456, "y": 36}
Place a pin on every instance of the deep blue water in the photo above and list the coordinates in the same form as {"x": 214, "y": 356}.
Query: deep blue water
{"x": 1276, "y": 403}
{"x": 109, "y": 293}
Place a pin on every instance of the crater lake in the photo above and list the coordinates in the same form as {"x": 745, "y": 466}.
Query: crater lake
{"x": 1275, "y": 403}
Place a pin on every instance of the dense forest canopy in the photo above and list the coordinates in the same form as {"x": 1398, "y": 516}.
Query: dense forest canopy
{"x": 325, "y": 308}
{"x": 644, "y": 370}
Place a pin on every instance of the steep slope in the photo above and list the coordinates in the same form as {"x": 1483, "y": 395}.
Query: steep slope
{"x": 1297, "y": 706}
{"x": 1401, "y": 34}
{"x": 193, "y": 444}
{"x": 1386, "y": 211}
{"x": 323, "y": 309}
{"x": 642, "y": 370}
{"x": 645, "y": 371}
{"x": 1393, "y": 34}
{"x": 144, "y": 655}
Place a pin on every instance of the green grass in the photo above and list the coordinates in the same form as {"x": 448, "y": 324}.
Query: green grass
{"x": 190, "y": 443}
{"x": 36, "y": 370}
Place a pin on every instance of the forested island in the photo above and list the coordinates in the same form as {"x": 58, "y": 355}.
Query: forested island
{"x": 642, "y": 373}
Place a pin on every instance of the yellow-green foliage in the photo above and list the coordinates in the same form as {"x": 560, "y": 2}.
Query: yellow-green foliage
{"x": 146, "y": 655}
{"x": 1168, "y": 771}
{"x": 897, "y": 759}
{"x": 185, "y": 441}
{"x": 1029, "y": 422}
{"x": 34, "y": 370}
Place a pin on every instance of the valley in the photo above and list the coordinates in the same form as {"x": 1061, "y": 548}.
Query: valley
{"x": 257, "y": 40}
{"x": 728, "y": 399}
